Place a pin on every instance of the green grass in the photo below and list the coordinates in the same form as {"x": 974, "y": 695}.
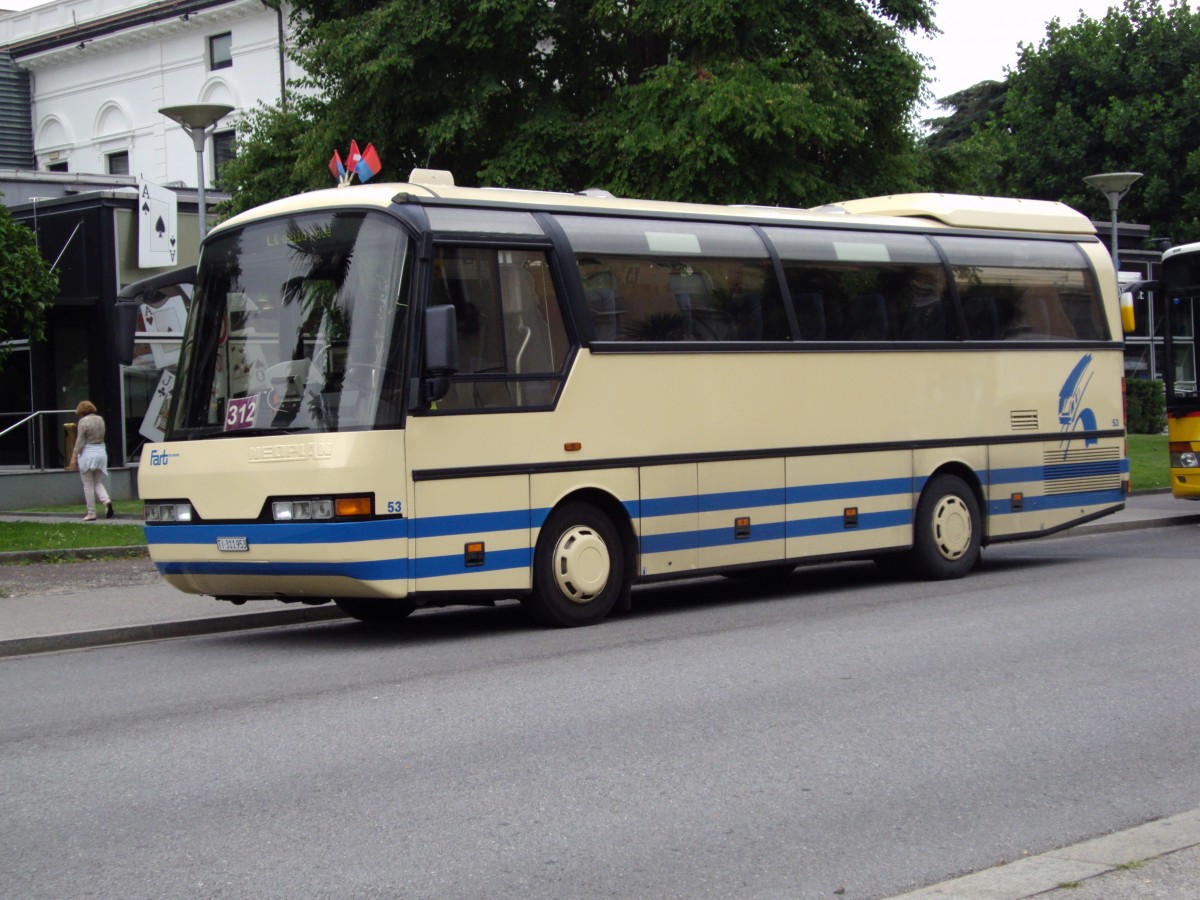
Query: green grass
{"x": 67, "y": 536}
{"x": 1148, "y": 462}
{"x": 121, "y": 507}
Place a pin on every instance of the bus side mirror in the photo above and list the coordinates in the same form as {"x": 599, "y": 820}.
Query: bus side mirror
{"x": 1128, "y": 293}
{"x": 1128, "y": 320}
{"x": 441, "y": 351}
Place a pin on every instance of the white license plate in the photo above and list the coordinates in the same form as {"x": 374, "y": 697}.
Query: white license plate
{"x": 237, "y": 543}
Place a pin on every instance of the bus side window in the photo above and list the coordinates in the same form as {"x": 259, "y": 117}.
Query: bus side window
{"x": 512, "y": 341}
{"x": 1038, "y": 290}
{"x": 665, "y": 281}
{"x": 864, "y": 286}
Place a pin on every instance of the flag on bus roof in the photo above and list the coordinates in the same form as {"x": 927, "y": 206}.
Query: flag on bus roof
{"x": 354, "y": 157}
{"x": 368, "y": 165}
{"x": 335, "y": 166}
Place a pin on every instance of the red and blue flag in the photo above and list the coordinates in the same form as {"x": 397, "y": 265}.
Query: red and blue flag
{"x": 368, "y": 165}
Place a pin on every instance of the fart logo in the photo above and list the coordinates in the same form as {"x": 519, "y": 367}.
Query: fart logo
{"x": 161, "y": 457}
{"x": 1072, "y": 414}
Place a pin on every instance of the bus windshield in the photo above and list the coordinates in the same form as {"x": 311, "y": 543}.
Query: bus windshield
{"x": 296, "y": 326}
{"x": 1181, "y": 287}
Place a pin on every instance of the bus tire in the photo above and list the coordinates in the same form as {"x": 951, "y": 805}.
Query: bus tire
{"x": 375, "y": 612}
{"x": 578, "y": 567}
{"x": 948, "y": 530}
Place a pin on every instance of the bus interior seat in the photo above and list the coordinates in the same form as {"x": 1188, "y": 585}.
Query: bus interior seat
{"x": 926, "y": 320}
{"x": 1034, "y": 320}
{"x": 868, "y": 317}
{"x": 693, "y": 296}
{"x": 810, "y": 315}
{"x": 982, "y": 317}
{"x": 602, "y": 302}
{"x": 745, "y": 316}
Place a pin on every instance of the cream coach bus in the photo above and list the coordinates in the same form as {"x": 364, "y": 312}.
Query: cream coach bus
{"x": 411, "y": 395}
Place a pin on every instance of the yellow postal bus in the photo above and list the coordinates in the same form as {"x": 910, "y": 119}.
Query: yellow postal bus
{"x": 1180, "y": 286}
{"x": 395, "y": 396}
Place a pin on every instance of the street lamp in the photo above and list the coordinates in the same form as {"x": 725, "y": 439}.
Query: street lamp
{"x": 1114, "y": 185}
{"x": 199, "y": 120}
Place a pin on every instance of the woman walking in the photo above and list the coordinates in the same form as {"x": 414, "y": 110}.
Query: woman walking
{"x": 91, "y": 456}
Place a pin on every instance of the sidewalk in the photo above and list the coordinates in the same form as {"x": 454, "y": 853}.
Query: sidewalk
{"x": 75, "y": 618}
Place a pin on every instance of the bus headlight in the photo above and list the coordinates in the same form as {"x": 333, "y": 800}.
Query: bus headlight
{"x": 1184, "y": 460}
{"x": 301, "y": 510}
{"x": 167, "y": 512}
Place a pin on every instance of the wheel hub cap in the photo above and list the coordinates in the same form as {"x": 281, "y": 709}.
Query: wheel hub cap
{"x": 581, "y": 564}
{"x": 952, "y": 527}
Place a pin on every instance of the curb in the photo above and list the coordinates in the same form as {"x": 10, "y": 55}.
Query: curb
{"x": 35, "y": 556}
{"x": 127, "y": 634}
{"x": 1036, "y": 875}
{"x": 1103, "y": 527}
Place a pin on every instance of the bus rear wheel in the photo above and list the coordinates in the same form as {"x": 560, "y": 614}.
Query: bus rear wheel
{"x": 375, "y": 612}
{"x": 578, "y": 567}
{"x": 948, "y": 530}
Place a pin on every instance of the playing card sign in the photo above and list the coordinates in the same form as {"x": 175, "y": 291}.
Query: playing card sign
{"x": 157, "y": 233}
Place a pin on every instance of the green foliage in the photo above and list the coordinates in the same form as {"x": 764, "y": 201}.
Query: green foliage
{"x": 27, "y": 286}
{"x": 1120, "y": 93}
{"x": 1145, "y": 406}
{"x": 264, "y": 168}
{"x": 765, "y": 101}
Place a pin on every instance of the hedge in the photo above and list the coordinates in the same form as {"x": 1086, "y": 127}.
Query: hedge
{"x": 1145, "y": 406}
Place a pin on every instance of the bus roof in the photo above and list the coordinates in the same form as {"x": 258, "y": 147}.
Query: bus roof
{"x": 946, "y": 210}
{"x": 1181, "y": 249}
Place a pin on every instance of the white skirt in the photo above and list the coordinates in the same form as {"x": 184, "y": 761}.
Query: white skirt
{"x": 94, "y": 458}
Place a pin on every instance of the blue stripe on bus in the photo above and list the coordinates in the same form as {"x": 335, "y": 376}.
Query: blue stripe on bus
{"x": 767, "y": 497}
{"x": 709, "y": 537}
{"x": 849, "y": 490}
{"x": 1058, "y": 501}
{"x": 797, "y": 528}
{"x": 1057, "y": 471}
{"x": 493, "y": 561}
{"x": 772, "y": 531}
{"x": 474, "y": 523}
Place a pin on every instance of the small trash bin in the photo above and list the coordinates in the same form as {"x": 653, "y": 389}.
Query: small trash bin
{"x": 69, "y": 429}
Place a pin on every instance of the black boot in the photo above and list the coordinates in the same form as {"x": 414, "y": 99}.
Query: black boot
{"x": 108, "y": 513}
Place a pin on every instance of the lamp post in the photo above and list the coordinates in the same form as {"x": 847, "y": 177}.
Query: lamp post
{"x": 199, "y": 121}
{"x": 1114, "y": 186}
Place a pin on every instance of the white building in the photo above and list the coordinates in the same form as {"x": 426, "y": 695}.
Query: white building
{"x": 99, "y": 71}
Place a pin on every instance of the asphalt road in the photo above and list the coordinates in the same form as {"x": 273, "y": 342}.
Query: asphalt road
{"x": 839, "y": 733}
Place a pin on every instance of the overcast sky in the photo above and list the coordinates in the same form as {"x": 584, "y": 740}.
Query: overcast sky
{"x": 979, "y": 38}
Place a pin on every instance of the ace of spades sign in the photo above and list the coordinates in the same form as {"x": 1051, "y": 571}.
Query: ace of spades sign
{"x": 156, "y": 208}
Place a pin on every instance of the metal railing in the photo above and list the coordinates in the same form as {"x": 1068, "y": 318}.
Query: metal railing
{"x": 37, "y": 437}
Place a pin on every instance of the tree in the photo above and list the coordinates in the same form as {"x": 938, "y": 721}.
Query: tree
{"x": 1115, "y": 94}
{"x": 265, "y": 165}
{"x": 766, "y": 101}
{"x": 27, "y": 286}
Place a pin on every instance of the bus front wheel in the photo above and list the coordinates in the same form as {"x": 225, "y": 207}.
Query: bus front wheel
{"x": 578, "y": 567}
{"x": 375, "y": 612}
{"x": 948, "y": 530}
